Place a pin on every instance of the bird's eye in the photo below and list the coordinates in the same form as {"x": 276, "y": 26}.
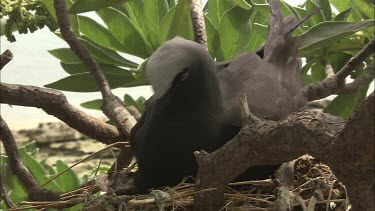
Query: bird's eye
{"x": 182, "y": 75}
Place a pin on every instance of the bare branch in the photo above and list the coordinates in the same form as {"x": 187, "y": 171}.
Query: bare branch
{"x": 112, "y": 106}
{"x": 54, "y": 102}
{"x": 6, "y": 57}
{"x": 197, "y": 17}
{"x": 343, "y": 146}
{"x": 17, "y": 166}
{"x": 336, "y": 82}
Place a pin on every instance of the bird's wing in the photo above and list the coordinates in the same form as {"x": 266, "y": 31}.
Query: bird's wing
{"x": 136, "y": 139}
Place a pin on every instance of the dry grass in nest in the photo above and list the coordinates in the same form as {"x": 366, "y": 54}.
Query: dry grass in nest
{"x": 316, "y": 188}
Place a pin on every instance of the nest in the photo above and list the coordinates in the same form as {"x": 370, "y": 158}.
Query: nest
{"x": 315, "y": 188}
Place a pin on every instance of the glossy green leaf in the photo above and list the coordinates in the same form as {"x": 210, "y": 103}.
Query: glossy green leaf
{"x": 325, "y": 6}
{"x": 19, "y": 192}
{"x": 37, "y": 170}
{"x": 84, "y": 82}
{"x": 181, "y": 24}
{"x": 344, "y": 105}
{"x": 154, "y": 13}
{"x": 81, "y": 68}
{"x": 216, "y": 9}
{"x": 124, "y": 30}
{"x": 135, "y": 11}
{"x": 99, "y": 34}
{"x": 338, "y": 60}
{"x": 129, "y": 101}
{"x": 212, "y": 37}
{"x": 234, "y": 32}
{"x": 68, "y": 180}
{"x": 343, "y": 15}
{"x": 326, "y": 33}
{"x": 138, "y": 104}
{"x": 257, "y": 37}
{"x": 65, "y": 55}
{"x": 365, "y": 9}
{"x": 93, "y": 104}
{"x": 305, "y": 77}
{"x": 107, "y": 56}
{"x": 318, "y": 72}
{"x": 241, "y": 3}
{"x": 165, "y": 25}
{"x": 318, "y": 17}
{"x": 81, "y": 6}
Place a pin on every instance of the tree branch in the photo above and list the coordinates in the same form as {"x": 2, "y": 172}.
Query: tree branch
{"x": 112, "y": 105}
{"x": 36, "y": 192}
{"x": 197, "y": 17}
{"x": 4, "y": 194}
{"x": 6, "y": 57}
{"x": 336, "y": 82}
{"x": 54, "y": 102}
{"x": 261, "y": 142}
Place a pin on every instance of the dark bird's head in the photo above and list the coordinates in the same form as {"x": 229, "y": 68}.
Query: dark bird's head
{"x": 182, "y": 67}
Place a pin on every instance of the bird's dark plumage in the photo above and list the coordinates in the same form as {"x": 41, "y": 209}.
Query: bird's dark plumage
{"x": 196, "y": 103}
{"x": 184, "y": 114}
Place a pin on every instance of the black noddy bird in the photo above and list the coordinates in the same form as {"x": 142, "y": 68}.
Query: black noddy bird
{"x": 184, "y": 115}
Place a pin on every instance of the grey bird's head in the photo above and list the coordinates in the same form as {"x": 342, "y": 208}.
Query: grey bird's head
{"x": 177, "y": 59}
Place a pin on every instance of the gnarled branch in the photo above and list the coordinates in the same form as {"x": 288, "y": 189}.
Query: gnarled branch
{"x": 343, "y": 146}
{"x": 336, "y": 83}
{"x": 197, "y": 17}
{"x": 54, "y": 102}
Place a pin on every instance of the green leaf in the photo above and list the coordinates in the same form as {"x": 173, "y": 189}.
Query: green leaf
{"x": 257, "y": 37}
{"x": 99, "y": 34}
{"x": 242, "y": 3}
{"x": 325, "y": 6}
{"x": 364, "y": 8}
{"x": 68, "y": 180}
{"x": 84, "y": 82}
{"x": 181, "y": 24}
{"x": 81, "y": 68}
{"x": 318, "y": 17}
{"x": 165, "y": 25}
{"x": 81, "y": 6}
{"x": 135, "y": 11}
{"x": 129, "y": 101}
{"x": 307, "y": 78}
{"x": 125, "y": 31}
{"x": 93, "y": 104}
{"x": 325, "y": 34}
{"x": 212, "y": 37}
{"x": 318, "y": 72}
{"x": 343, "y": 15}
{"x": 234, "y": 31}
{"x": 216, "y": 9}
{"x": 65, "y": 55}
{"x": 338, "y": 60}
{"x": 344, "y": 105}
{"x": 105, "y": 55}
{"x": 19, "y": 192}
{"x": 37, "y": 170}
{"x": 154, "y": 13}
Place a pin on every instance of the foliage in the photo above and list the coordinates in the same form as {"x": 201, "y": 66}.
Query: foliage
{"x": 233, "y": 26}
{"x": 42, "y": 172}
{"x": 24, "y": 16}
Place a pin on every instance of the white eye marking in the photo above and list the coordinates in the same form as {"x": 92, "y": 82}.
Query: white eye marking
{"x": 183, "y": 75}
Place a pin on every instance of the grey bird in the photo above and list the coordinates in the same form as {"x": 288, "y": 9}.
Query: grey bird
{"x": 196, "y": 102}
{"x": 184, "y": 115}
